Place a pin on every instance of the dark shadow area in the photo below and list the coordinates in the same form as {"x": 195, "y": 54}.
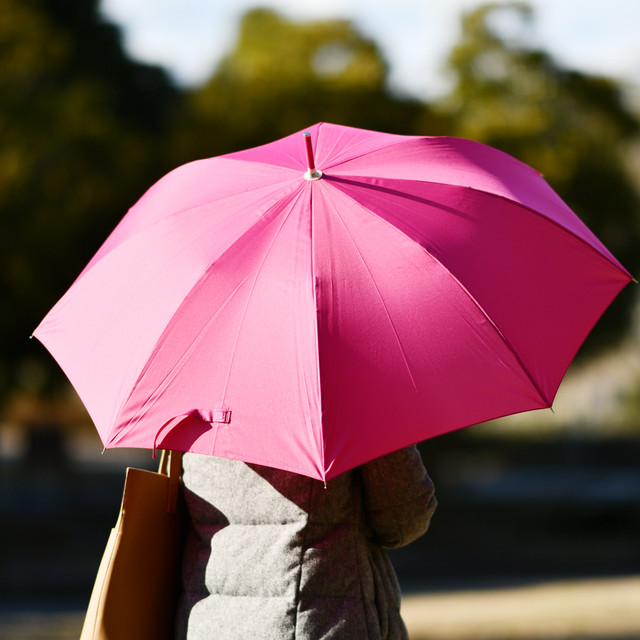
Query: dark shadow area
{"x": 517, "y": 511}
{"x": 56, "y": 515}
{"x": 510, "y": 512}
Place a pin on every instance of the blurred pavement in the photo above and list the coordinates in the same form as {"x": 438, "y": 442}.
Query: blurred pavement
{"x": 603, "y": 609}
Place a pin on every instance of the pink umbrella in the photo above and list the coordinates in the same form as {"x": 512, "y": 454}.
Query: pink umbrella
{"x": 255, "y": 307}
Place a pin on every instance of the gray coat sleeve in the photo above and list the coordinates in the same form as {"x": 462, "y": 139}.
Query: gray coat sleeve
{"x": 398, "y": 497}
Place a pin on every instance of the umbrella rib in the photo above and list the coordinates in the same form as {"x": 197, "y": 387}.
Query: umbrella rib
{"x": 479, "y": 306}
{"x": 548, "y": 402}
{"x": 381, "y": 298}
{"x": 318, "y": 390}
{"x": 183, "y": 211}
{"x": 253, "y": 284}
{"x": 361, "y": 181}
{"x": 175, "y": 369}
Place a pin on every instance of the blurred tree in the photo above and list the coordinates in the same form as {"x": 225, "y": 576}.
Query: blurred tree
{"x": 82, "y": 129}
{"x": 574, "y": 128}
{"x": 282, "y": 76}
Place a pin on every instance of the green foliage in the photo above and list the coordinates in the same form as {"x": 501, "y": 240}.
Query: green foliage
{"x": 80, "y": 126}
{"x": 275, "y": 54}
{"x": 283, "y": 76}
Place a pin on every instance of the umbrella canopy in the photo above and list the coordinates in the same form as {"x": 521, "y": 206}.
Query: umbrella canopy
{"x": 313, "y": 307}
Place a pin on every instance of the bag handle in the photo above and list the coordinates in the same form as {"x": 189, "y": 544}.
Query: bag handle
{"x": 171, "y": 465}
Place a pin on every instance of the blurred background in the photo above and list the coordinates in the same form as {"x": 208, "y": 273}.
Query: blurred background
{"x": 100, "y": 99}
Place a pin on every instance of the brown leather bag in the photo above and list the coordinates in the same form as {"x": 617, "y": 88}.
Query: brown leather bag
{"x": 135, "y": 592}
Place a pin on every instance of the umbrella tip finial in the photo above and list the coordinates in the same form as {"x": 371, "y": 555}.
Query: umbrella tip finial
{"x": 312, "y": 173}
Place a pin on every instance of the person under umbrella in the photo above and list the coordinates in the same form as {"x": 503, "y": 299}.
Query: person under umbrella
{"x": 276, "y": 555}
